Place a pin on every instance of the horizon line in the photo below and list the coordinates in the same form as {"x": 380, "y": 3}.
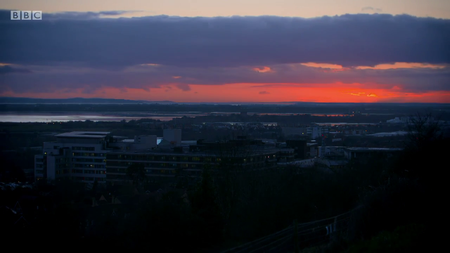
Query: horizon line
{"x": 229, "y": 102}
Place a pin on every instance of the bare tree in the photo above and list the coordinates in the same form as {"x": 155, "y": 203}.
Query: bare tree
{"x": 422, "y": 130}
{"x": 228, "y": 175}
{"x": 425, "y": 150}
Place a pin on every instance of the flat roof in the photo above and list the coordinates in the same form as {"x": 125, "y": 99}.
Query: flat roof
{"x": 83, "y": 134}
{"x": 171, "y": 152}
{"x": 190, "y": 142}
{"x": 374, "y": 149}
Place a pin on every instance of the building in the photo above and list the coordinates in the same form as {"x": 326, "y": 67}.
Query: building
{"x": 312, "y": 150}
{"x": 364, "y": 155}
{"x": 81, "y": 156}
{"x": 76, "y": 155}
{"x": 98, "y": 156}
{"x": 293, "y": 131}
{"x": 166, "y": 166}
{"x": 337, "y": 157}
{"x": 332, "y": 162}
{"x": 173, "y": 136}
{"x": 300, "y": 148}
{"x": 331, "y": 151}
{"x": 285, "y": 155}
{"x": 315, "y": 132}
{"x": 168, "y": 162}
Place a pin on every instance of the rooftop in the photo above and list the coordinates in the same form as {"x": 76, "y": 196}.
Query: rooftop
{"x": 82, "y": 134}
{"x": 383, "y": 134}
{"x": 374, "y": 149}
{"x": 174, "y": 153}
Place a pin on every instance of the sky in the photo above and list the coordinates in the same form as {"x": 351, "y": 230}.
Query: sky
{"x": 229, "y": 51}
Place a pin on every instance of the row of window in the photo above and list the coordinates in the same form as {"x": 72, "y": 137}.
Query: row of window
{"x": 97, "y": 166}
{"x": 88, "y": 160}
{"x": 187, "y": 158}
{"x": 62, "y": 160}
{"x": 153, "y": 172}
{"x": 163, "y": 158}
{"x": 155, "y": 165}
{"x": 88, "y": 154}
{"x": 88, "y": 171}
{"x": 84, "y": 148}
{"x": 88, "y": 179}
{"x": 94, "y": 172}
{"x": 147, "y": 171}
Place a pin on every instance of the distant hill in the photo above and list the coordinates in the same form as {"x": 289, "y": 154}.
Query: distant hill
{"x": 16, "y": 100}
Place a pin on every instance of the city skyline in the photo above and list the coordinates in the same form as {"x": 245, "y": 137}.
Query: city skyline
{"x": 370, "y": 51}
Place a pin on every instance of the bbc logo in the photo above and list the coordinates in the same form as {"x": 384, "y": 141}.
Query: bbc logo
{"x": 26, "y": 15}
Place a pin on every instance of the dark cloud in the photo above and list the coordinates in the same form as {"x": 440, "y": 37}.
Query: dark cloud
{"x": 8, "y": 69}
{"x": 263, "y": 92}
{"x": 183, "y": 87}
{"x": 52, "y": 78}
{"x": 349, "y": 40}
{"x": 71, "y": 51}
{"x": 49, "y": 80}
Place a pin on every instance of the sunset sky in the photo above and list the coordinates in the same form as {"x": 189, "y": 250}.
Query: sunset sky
{"x": 228, "y": 51}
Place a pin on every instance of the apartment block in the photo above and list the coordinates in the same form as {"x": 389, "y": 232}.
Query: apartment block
{"x": 76, "y": 155}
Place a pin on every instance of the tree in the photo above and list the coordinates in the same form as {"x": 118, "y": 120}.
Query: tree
{"x": 228, "y": 177}
{"x": 423, "y": 130}
{"x": 95, "y": 188}
{"x": 204, "y": 205}
{"x": 136, "y": 173}
{"x": 425, "y": 149}
{"x": 414, "y": 192}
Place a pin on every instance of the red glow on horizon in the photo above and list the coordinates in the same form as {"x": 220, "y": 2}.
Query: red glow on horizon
{"x": 251, "y": 92}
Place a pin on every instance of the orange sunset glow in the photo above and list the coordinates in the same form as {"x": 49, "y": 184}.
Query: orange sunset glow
{"x": 404, "y": 65}
{"x": 263, "y": 69}
{"x": 247, "y": 92}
